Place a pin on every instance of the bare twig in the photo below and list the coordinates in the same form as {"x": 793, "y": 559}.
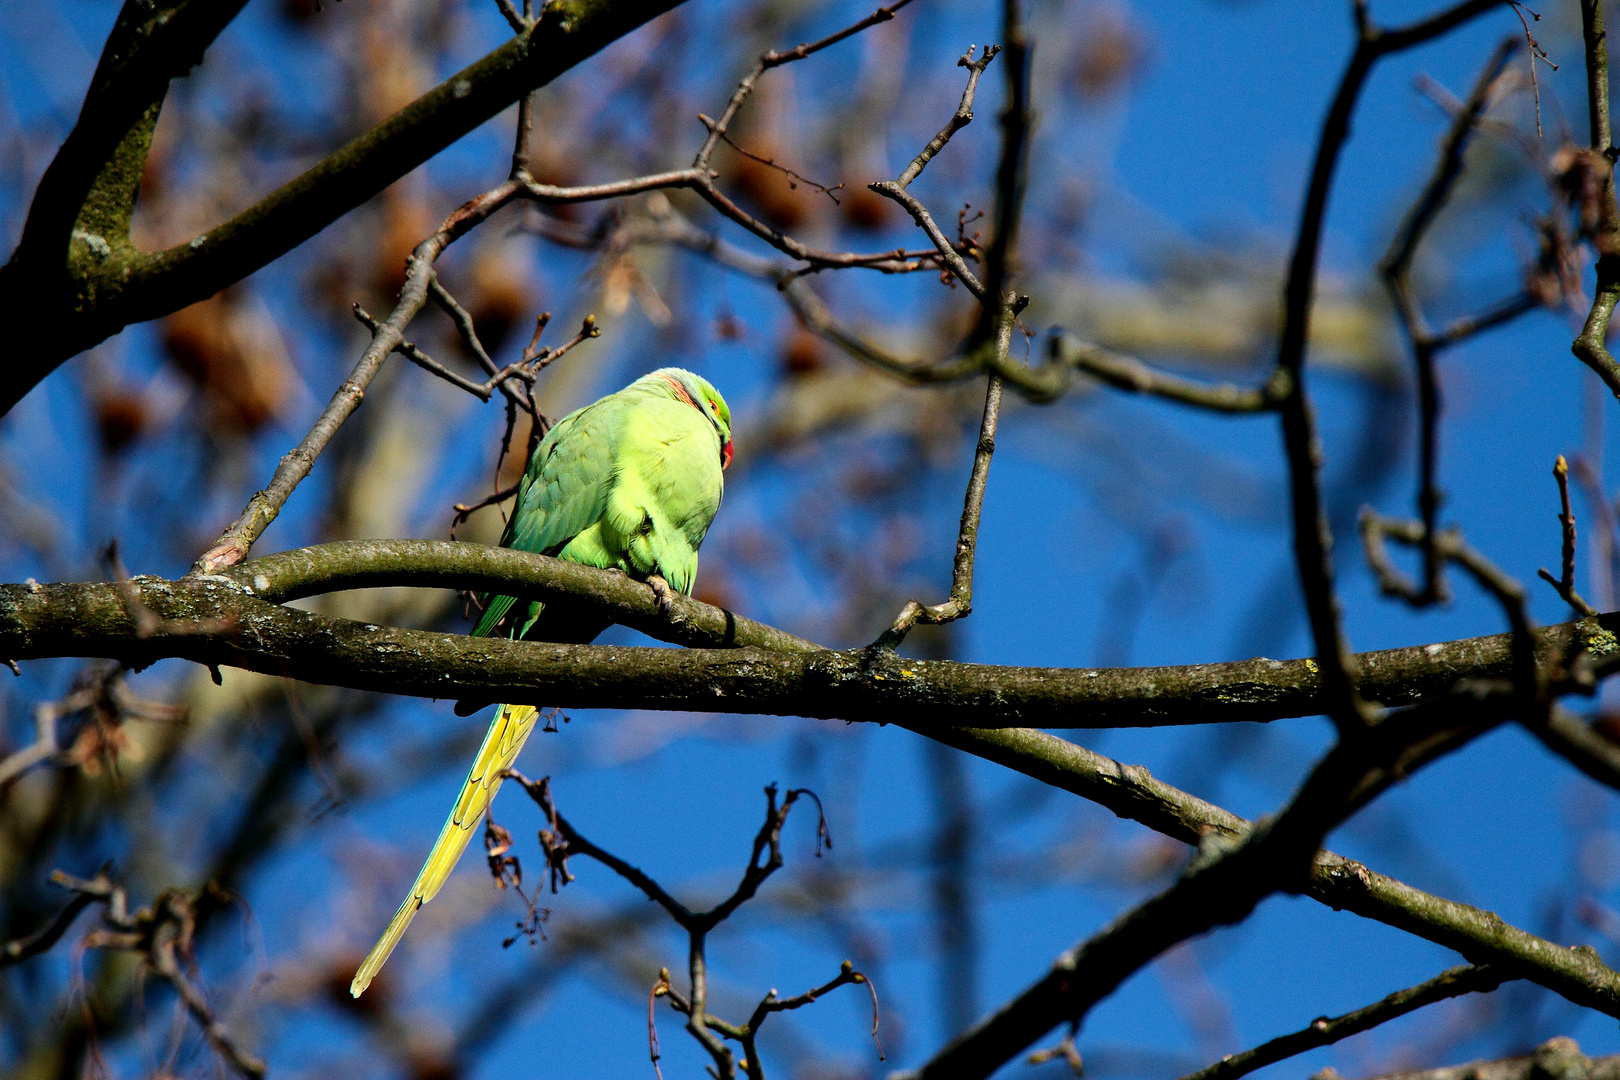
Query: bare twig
{"x": 464, "y": 323}
{"x": 794, "y": 178}
{"x": 15, "y": 952}
{"x": 1324, "y": 1031}
{"x": 659, "y": 989}
{"x": 1312, "y": 538}
{"x": 232, "y": 546}
{"x": 1395, "y": 269}
{"x": 1130, "y": 374}
{"x": 564, "y": 840}
{"x": 42, "y": 749}
{"x": 1536, "y": 53}
{"x": 526, "y": 368}
{"x": 997, "y": 312}
{"x": 1528, "y": 680}
{"x": 513, "y": 17}
{"x": 948, "y": 254}
{"x": 959, "y": 120}
{"x": 162, "y": 935}
{"x": 1565, "y": 585}
{"x": 960, "y": 601}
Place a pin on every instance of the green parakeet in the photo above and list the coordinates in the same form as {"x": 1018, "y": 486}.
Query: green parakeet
{"x": 630, "y": 482}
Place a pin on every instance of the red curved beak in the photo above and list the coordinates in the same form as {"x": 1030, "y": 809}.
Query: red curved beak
{"x": 725, "y": 456}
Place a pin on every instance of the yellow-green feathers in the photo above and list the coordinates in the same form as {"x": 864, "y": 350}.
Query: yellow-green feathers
{"x": 505, "y": 738}
{"x": 630, "y": 482}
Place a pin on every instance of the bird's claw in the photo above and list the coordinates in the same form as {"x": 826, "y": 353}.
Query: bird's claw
{"x": 664, "y": 595}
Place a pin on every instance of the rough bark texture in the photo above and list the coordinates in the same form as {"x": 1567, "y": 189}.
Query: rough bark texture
{"x": 220, "y": 620}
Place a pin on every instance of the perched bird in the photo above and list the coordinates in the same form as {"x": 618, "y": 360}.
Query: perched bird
{"x": 630, "y": 482}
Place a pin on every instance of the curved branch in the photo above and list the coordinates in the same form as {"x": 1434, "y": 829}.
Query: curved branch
{"x": 1227, "y": 879}
{"x": 1130, "y": 791}
{"x": 221, "y": 620}
{"x": 1324, "y": 1031}
{"x": 130, "y": 286}
{"x": 445, "y": 564}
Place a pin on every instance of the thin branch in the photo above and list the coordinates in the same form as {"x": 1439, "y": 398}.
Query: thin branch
{"x": 1312, "y": 538}
{"x": 1581, "y": 744}
{"x": 960, "y": 602}
{"x": 959, "y": 120}
{"x": 1526, "y": 674}
{"x": 1565, "y": 585}
{"x": 387, "y": 337}
{"x": 1590, "y": 345}
{"x": 42, "y": 749}
{"x": 162, "y": 935}
{"x": 1559, "y": 1056}
{"x": 799, "y": 52}
{"x": 942, "y": 243}
{"x": 513, "y": 17}
{"x": 772, "y": 59}
{"x": 15, "y": 952}
{"x": 1469, "y": 325}
{"x": 997, "y": 312}
{"x": 1324, "y": 1031}
{"x": 1012, "y": 172}
{"x": 772, "y": 163}
{"x": 549, "y": 194}
{"x": 707, "y": 1029}
{"x": 1395, "y": 269}
{"x": 232, "y": 546}
{"x": 526, "y": 368}
{"x": 464, "y": 323}
{"x": 1132, "y": 375}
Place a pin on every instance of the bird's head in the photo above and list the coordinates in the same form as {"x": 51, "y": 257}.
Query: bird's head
{"x": 699, "y": 393}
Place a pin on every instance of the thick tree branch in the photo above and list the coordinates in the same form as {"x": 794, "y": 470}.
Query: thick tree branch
{"x": 1590, "y": 346}
{"x": 36, "y": 619}
{"x": 1228, "y": 879}
{"x": 220, "y": 620}
{"x": 82, "y": 206}
{"x": 1130, "y": 791}
{"x": 107, "y": 291}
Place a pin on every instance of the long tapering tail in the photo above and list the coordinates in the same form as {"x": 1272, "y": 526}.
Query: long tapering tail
{"x": 507, "y": 734}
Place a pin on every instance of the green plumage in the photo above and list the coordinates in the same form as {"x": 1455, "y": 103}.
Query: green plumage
{"x": 629, "y": 482}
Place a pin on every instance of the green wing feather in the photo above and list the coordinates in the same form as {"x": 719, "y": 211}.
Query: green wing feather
{"x": 564, "y": 491}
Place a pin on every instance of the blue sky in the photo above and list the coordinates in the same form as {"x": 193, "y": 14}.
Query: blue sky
{"x": 1213, "y": 140}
